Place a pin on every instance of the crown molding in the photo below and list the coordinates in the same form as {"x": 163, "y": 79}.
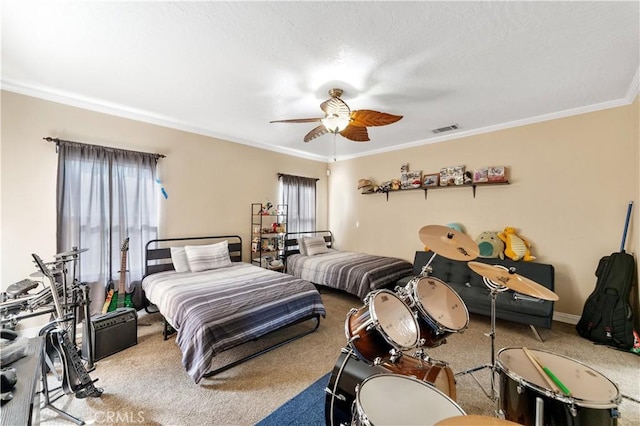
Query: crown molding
{"x": 146, "y": 117}
{"x": 503, "y": 126}
{"x": 142, "y": 116}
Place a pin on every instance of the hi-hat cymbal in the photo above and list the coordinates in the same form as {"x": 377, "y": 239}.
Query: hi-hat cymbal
{"x": 513, "y": 281}
{"x": 71, "y": 252}
{"x": 474, "y": 420}
{"x": 448, "y": 242}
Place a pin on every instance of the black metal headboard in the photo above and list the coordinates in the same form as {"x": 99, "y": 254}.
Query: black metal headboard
{"x": 291, "y": 245}
{"x": 158, "y": 252}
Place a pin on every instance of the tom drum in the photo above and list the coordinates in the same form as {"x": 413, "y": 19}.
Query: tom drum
{"x": 383, "y": 326}
{"x": 441, "y": 311}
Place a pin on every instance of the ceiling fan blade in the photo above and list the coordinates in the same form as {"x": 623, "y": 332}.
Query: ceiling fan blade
{"x": 298, "y": 120}
{"x": 367, "y": 117}
{"x": 335, "y": 106}
{"x": 315, "y": 133}
{"x": 356, "y": 133}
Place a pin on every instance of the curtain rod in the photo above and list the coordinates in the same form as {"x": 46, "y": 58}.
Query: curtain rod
{"x": 285, "y": 174}
{"x": 57, "y": 141}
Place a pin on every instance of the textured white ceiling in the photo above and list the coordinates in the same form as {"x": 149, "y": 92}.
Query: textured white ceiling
{"x": 225, "y": 69}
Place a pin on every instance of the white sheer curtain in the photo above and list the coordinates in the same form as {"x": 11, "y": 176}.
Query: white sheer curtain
{"x": 105, "y": 195}
{"x": 299, "y": 194}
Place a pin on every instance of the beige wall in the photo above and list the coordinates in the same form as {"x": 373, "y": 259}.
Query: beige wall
{"x": 211, "y": 183}
{"x": 571, "y": 181}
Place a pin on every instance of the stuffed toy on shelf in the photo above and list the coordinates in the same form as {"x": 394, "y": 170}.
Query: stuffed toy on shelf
{"x": 516, "y": 247}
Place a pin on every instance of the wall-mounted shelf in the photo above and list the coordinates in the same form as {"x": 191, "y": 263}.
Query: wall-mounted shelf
{"x": 473, "y": 187}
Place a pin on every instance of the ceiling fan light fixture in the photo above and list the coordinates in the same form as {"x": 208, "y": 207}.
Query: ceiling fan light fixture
{"x": 335, "y": 124}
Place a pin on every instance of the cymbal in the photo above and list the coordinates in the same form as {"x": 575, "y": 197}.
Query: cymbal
{"x": 508, "y": 278}
{"x": 474, "y": 420}
{"x": 71, "y": 252}
{"x": 40, "y": 274}
{"x": 448, "y": 242}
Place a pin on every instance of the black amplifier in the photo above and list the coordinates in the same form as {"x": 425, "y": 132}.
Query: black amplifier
{"x": 112, "y": 332}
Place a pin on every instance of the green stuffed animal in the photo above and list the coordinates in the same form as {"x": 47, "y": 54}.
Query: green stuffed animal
{"x": 516, "y": 247}
{"x": 490, "y": 245}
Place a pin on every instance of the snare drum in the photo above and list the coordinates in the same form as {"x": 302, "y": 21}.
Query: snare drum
{"x": 440, "y": 310}
{"x": 384, "y": 325}
{"x": 594, "y": 399}
{"x": 393, "y": 399}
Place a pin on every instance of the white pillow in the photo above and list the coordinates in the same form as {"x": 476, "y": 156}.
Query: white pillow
{"x": 213, "y": 256}
{"x": 301, "y": 246}
{"x": 179, "y": 259}
{"x": 315, "y": 245}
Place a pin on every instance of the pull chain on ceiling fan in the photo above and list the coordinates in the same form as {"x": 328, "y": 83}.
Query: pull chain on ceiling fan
{"x": 340, "y": 119}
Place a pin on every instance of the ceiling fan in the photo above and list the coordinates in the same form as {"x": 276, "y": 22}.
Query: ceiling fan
{"x": 340, "y": 119}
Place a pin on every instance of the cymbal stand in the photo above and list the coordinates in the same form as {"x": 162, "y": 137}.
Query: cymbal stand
{"x": 494, "y": 290}
{"x": 427, "y": 269}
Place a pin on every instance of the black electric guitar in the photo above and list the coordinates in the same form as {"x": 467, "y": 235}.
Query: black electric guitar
{"x": 73, "y": 373}
{"x": 120, "y": 298}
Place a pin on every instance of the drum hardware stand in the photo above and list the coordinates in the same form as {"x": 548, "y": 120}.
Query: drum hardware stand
{"x": 421, "y": 356}
{"x": 494, "y": 290}
{"x": 427, "y": 269}
{"x": 86, "y": 327}
{"x": 62, "y": 314}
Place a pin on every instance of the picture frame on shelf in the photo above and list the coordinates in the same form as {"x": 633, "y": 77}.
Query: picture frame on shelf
{"x": 431, "y": 180}
{"x": 452, "y": 176}
{"x": 481, "y": 175}
{"x": 411, "y": 180}
{"x": 497, "y": 174}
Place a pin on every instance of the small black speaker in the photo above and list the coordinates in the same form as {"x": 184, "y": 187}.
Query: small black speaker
{"x": 112, "y": 332}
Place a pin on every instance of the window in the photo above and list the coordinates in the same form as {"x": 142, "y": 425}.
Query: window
{"x": 299, "y": 194}
{"x": 105, "y": 195}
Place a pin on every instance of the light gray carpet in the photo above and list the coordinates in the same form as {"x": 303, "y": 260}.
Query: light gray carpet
{"x": 147, "y": 385}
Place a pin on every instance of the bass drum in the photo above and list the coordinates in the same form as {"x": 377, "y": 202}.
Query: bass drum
{"x": 394, "y": 399}
{"x": 350, "y": 371}
{"x": 594, "y": 399}
{"x": 436, "y": 373}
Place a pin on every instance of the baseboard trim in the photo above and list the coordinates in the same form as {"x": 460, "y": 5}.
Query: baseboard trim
{"x": 566, "y": 318}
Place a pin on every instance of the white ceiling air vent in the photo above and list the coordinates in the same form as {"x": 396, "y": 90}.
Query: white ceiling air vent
{"x": 446, "y": 128}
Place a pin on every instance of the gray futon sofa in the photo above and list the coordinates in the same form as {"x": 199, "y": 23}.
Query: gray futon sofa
{"x": 476, "y": 295}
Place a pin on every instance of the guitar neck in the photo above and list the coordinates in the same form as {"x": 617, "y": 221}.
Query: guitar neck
{"x": 123, "y": 272}
{"x": 123, "y": 276}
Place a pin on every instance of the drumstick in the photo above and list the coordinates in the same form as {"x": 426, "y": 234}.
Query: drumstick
{"x": 551, "y": 375}
{"x": 538, "y": 367}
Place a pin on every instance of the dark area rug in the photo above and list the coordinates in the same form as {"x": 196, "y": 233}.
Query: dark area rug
{"x": 306, "y": 408}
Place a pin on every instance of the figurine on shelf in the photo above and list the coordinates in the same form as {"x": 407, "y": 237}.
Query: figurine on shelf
{"x": 266, "y": 209}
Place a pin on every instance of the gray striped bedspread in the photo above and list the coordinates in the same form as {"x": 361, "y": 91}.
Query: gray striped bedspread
{"x": 218, "y": 309}
{"x": 355, "y": 273}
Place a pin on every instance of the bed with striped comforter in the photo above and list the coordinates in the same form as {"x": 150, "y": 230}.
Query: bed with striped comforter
{"x": 218, "y": 309}
{"x": 355, "y": 273}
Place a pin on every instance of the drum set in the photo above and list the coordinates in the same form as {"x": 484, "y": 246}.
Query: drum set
{"x": 376, "y": 366}
{"x": 17, "y": 303}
